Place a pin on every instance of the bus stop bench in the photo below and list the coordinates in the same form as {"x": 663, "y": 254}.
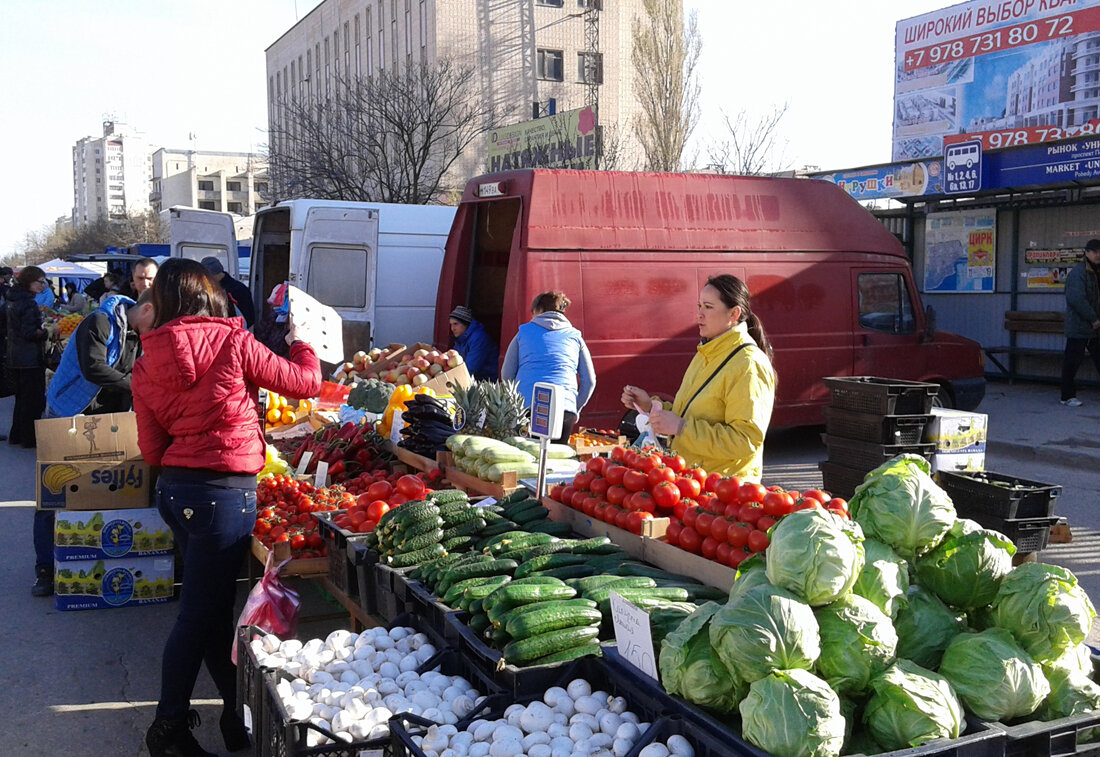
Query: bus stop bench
{"x": 1028, "y": 322}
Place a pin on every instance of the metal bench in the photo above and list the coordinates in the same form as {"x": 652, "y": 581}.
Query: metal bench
{"x": 1028, "y": 322}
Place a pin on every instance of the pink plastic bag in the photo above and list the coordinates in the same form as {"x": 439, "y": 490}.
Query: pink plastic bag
{"x": 271, "y": 605}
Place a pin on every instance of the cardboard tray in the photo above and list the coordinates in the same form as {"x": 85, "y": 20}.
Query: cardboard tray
{"x": 657, "y": 551}
{"x": 585, "y": 525}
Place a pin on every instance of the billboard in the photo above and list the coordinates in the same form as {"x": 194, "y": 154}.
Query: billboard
{"x": 1006, "y": 73}
{"x": 960, "y": 251}
{"x": 564, "y": 140}
{"x": 890, "y": 181}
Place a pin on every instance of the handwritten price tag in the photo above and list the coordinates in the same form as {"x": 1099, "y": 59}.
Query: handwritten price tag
{"x": 633, "y": 635}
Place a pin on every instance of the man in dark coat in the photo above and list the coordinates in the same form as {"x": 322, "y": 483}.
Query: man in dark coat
{"x": 239, "y": 294}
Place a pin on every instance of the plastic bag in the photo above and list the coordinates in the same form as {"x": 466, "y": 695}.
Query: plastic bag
{"x": 271, "y": 605}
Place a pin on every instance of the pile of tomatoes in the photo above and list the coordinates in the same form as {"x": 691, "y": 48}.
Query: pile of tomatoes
{"x": 283, "y": 513}
{"x": 377, "y": 499}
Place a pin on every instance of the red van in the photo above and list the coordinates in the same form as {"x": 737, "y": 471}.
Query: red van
{"x": 831, "y": 284}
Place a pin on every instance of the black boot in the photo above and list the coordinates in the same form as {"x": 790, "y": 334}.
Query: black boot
{"x": 43, "y": 583}
{"x": 233, "y": 731}
{"x": 172, "y": 737}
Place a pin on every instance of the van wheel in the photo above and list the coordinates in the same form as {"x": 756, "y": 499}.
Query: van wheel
{"x": 944, "y": 398}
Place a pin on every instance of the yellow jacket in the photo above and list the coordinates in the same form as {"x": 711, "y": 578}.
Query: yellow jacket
{"x": 724, "y": 427}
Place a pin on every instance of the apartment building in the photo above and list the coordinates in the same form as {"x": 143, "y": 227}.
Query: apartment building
{"x": 110, "y": 174}
{"x": 531, "y": 57}
{"x": 232, "y": 182}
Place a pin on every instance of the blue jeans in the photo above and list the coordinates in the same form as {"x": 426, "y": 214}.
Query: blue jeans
{"x": 43, "y": 541}
{"x": 212, "y": 526}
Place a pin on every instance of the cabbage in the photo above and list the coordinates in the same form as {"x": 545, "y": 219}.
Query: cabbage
{"x": 925, "y": 627}
{"x": 1078, "y": 659}
{"x": 1044, "y": 608}
{"x": 793, "y": 713}
{"x": 750, "y": 574}
{"x": 966, "y": 569}
{"x": 884, "y": 578}
{"x": 816, "y": 555}
{"x": 858, "y": 642}
{"x": 691, "y": 668}
{"x": 899, "y": 504}
{"x": 766, "y": 629}
{"x": 1071, "y": 693}
{"x": 912, "y": 705}
{"x": 993, "y": 675}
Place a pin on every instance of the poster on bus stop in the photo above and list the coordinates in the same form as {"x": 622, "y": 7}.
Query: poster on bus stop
{"x": 960, "y": 251}
{"x": 1005, "y": 72}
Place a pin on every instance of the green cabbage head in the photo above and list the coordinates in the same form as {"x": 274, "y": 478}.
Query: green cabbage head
{"x": 910, "y": 706}
{"x": 816, "y": 555}
{"x": 750, "y": 574}
{"x": 884, "y": 578}
{"x": 966, "y": 569}
{"x": 691, "y": 668}
{"x": 926, "y": 626}
{"x": 793, "y": 713}
{"x": 1044, "y": 608}
{"x": 995, "y": 678}
{"x": 858, "y": 643}
{"x": 766, "y": 629}
{"x": 1071, "y": 693}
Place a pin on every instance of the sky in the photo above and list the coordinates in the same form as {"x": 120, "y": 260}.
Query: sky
{"x": 172, "y": 69}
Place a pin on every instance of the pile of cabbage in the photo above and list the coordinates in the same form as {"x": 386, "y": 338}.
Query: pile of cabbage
{"x": 884, "y": 632}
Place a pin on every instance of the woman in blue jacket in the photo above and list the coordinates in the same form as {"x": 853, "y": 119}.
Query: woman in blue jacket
{"x": 475, "y": 345}
{"x": 547, "y": 348}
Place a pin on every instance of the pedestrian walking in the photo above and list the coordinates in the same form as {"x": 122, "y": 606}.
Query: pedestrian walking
{"x": 1082, "y": 320}
{"x": 23, "y": 324}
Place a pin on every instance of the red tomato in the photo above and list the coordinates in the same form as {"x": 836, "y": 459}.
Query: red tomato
{"x": 630, "y": 458}
{"x": 596, "y": 464}
{"x": 567, "y": 495}
{"x": 702, "y": 523}
{"x": 582, "y": 480}
{"x": 691, "y": 540}
{"x": 376, "y": 509}
{"x": 356, "y": 517}
{"x": 578, "y": 498}
{"x": 675, "y": 462}
{"x": 690, "y": 515}
{"x": 837, "y": 505}
{"x": 644, "y": 501}
{"x": 262, "y": 527}
{"x": 777, "y": 504}
{"x": 411, "y": 486}
{"x": 738, "y": 534}
{"x": 698, "y": 474}
{"x": 599, "y": 486}
{"x": 680, "y": 508}
{"x": 616, "y": 495}
{"x": 709, "y": 547}
{"x": 622, "y": 518}
{"x": 315, "y": 540}
{"x": 614, "y": 473}
{"x": 590, "y": 504}
{"x": 635, "y": 481}
{"x": 659, "y": 474}
{"x": 636, "y": 521}
{"x": 738, "y": 556}
{"x": 672, "y": 535}
{"x": 732, "y": 510}
{"x": 646, "y": 463}
{"x": 765, "y": 523}
{"x": 555, "y": 492}
{"x": 365, "y": 527}
{"x": 726, "y": 489}
{"x": 298, "y": 541}
{"x": 379, "y": 490}
{"x": 666, "y": 495}
{"x": 397, "y": 499}
{"x": 821, "y": 496}
{"x": 807, "y": 503}
{"x": 749, "y": 493}
{"x": 719, "y": 528}
{"x": 750, "y": 513}
{"x": 758, "y": 541}
{"x": 711, "y": 504}
{"x": 619, "y": 454}
{"x": 688, "y": 486}
{"x": 722, "y": 554}
{"x": 710, "y": 483}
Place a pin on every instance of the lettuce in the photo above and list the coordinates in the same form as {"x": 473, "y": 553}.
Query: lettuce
{"x": 966, "y": 568}
{"x": 793, "y": 713}
{"x": 691, "y": 669}
{"x": 816, "y": 555}
{"x": 1044, "y": 608}
{"x": 993, "y": 675}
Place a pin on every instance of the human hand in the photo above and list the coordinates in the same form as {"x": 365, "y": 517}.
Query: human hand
{"x": 664, "y": 422}
{"x": 634, "y": 398}
{"x": 292, "y": 331}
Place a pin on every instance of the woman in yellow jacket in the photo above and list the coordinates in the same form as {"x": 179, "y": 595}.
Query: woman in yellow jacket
{"x": 721, "y": 411}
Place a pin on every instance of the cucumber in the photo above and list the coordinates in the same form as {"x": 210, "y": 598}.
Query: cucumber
{"x": 597, "y": 545}
{"x": 529, "y": 514}
{"x": 518, "y": 495}
{"x": 473, "y": 570}
{"x": 586, "y": 585}
{"x": 454, "y": 518}
{"x": 478, "y": 623}
{"x": 490, "y": 515}
{"x": 387, "y": 516}
{"x": 523, "y": 554}
{"x": 420, "y": 542}
{"x": 532, "y": 620}
{"x": 548, "y": 561}
{"x": 567, "y": 571}
{"x": 473, "y": 607}
{"x": 642, "y": 601}
{"x": 458, "y": 543}
{"x": 441, "y": 496}
{"x": 501, "y": 526}
{"x": 457, "y": 589}
{"x": 412, "y": 511}
{"x": 553, "y": 527}
{"x": 418, "y": 527}
{"x": 519, "y": 506}
{"x": 492, "y": 597}
{"x": 514, "y": 594}
{"x": 642, "y": 569}
{"x": 471, "y": 527}
{"x": 517, "y": 540}
{"x": 521, "y": 651}
{"x": 568, "y": 655}
{"x": 603, "y": 593}
{"x": 498, "y": 637}
{"x": 407, "y": 559}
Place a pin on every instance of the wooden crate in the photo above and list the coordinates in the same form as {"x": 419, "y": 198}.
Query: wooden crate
{"x": 415, "y": 461}
{"x": 311, "y": 567}
{"x": 474, "y": 485}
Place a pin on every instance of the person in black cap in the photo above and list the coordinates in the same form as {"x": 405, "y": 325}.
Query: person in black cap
{"x": 239, "y": 294}
{"x": 1082, "y": 327}
{"x": 475, "y": 345}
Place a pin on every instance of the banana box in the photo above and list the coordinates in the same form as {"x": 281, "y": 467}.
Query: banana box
{"x": 101, "y": 584}
{"x": 110, "y": 534}
{"x": 956, "y": 431}
{"x": 91, "y": 462}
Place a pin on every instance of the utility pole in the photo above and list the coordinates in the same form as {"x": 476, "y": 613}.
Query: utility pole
{"x": 593, "y": 69}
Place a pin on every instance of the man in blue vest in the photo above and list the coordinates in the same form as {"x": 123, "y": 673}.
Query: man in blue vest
{"x": 93, "y": 378}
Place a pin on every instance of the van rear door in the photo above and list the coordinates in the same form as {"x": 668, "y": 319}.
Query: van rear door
{"x": 887, "y": 328}
{"x": 196, "y": 234}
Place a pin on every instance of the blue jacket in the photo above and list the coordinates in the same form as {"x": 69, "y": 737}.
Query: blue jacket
{"x": 70, "y": 392}
{"x": 548, "y": 348}
{"x": 477, "y": 349}
{"x": 1082, "y": 301}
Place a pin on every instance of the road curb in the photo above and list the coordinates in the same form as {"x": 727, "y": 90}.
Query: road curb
{"x": 1059, "y": 456}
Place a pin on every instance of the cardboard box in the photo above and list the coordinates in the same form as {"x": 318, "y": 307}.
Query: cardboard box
{"x": 91, "y": 462}
{"x": 102, "y": 584}
{"x": 957, "y": 431}
{"x": 958, "y": 461}
{"x": 110, "y": 534}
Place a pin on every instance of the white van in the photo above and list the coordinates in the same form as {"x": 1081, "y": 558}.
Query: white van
{"x": 196, "y": 234}
{"x": 376, "y": 264}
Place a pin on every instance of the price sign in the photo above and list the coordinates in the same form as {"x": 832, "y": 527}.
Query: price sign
{"x": 633, "y": 635}
{"x": 304, "y": 462}
{"x": 322, "y": 475}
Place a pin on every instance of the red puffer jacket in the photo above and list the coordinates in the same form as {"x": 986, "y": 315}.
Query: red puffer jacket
{"x": 195, "y": 393}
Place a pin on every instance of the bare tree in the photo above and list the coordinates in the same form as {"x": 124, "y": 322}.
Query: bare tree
{"x": 391, "y": 137}
{"x": 665, "y": 55}
{"x": 49, "y": 242}
{"x": 750, "y": 147}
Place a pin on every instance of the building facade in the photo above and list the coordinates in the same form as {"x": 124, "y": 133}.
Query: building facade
{"x": 231, "y": 182}
{"x": 110, "y": 174}
{"x": 531, "y": 57}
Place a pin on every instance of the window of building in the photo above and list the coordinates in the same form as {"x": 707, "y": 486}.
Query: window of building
{"x": 234, "y": 207}
{"x": 394, "y": 39}
{"x": 309, "y": 71}
{"x": 347, "y": 50}
{"x": 328, "y": 89}
{"x": 303, "y": 77}
{"x": 423, "y": 24}
{"x": 358, "y": 57}
{"x": 370, "y": 56}
{"x": 233, "y": 186}
{"x": 554, "y": 3}
{"x": 597, "y": 4}
{"x": 338, "y": 276}
{"x": 408, "y": 32}
{"x": 207, "y": 205}
{"x": 884, "y": 304}
{"x": 550, "y": 65}
{"x": 336, "y": 52}
{"x": 206, "y": 186}
{"x": 261, "y": 187}
{"x": 291, "y": 85}
{"x": 381, "y": 37}
{"x": 590, "y": 68}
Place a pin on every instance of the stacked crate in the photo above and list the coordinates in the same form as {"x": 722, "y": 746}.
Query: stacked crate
{"x": 869, "y": 421}
{"x": 1020, "y": 509}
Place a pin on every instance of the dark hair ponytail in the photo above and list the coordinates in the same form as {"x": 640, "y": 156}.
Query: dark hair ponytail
{"x": 734, "y": 293}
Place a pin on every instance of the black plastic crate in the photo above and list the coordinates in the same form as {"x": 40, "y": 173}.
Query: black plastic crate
{"x": 839, "y": 480}
{"x": 867, "y": 456}
{"x": 1028, "y": 534}
{"x": 365, "y": 560}
{"x": 880, "y": 396}
{"x": 1052, "y": 738}
{"x": 250, "y": 683}
{"x": 338, "y": 541}
{"x": 870, "y": 427}
{"x": 419, "y": 599}
{"x": 981, "y": 492}
{"x": 389, "y": 604}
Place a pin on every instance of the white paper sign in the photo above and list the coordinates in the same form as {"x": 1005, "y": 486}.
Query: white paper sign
{"x": 396, "y": 426}
{"x": 322, "y": 475}
{"x": 318, "y": 325}
{"x": 633, "y": 635}
{"x": 487, "y": 502}
{"x": 304, "y": 462}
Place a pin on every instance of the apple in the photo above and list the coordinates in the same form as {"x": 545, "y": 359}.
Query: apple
{"x": 453, "y": 359}
{"x": 434, "y": 356}
{"x": 403, "y": 379}
{"x": 435, "y": 369}
{"x": 375, "y": 353}
{"x": 359, "y": 356}
{"x": 422, "y": 363}
{"x": 419, "y": 379}
{"x": 420, "y": 353}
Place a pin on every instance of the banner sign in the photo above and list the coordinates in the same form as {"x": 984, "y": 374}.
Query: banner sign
{"x": 960, "y": 251}
{"x": 890, "y": 181}
{"x": 564, "y": 140}
{"x": 968, "y": 168}
{"x": 1053, "y": 257}
{"x": 1005, "y": 72}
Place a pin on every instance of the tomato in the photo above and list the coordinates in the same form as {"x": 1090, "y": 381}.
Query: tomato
{"x": 731, "y": 511}
{"x": 578, "y": 498}
{"x": 821, "y": 496}
{"x": 411, "y": 486}
{"x": 710, "y": 483}
{"x": 365, "y": 527}
{"x": 357, "y": 516}
{"x": 583, "y": 480}
{"x": 595, "y": 464}
{"x": 376, "y": 509}
{"x": 622, "y": 518}
{"x": 702, "y": 523}
{"x": 666, "y": 495}
{"x": 602, "y": 510}
{"x": 315, "y": 540}
{"x": 688, "y": 486}
{"x": 614, "y": 473}
{"x": 719, "y": 528}
{"x": 698, "y": 474}
{"x": 690, "y": 515}
{"x": 838, "y": 506}
{"x": 750, "y": 513}
{"x": 619, "y": 454}
{"x": 749, "y": 493}
{"x": 630, "y": 458}
{"x": 599, "y": 486}
{"x": 807, "y": 503}
{"x": 262, "y": 527}
{"x": 726, "y": 489}
{"x": 298, "y": 541}
{"x": 646, "y": 463}
{"x": 722, "y": 553}
{"x": 738, "y": 534}
{"x": 738, "y": 556}
{"x": 379, "y": 490}
{"x": 590, "y": 504}
{"x": 758, "y": 541}
{"x": 777, "y": 504}
{"x": 636, "y": 521}
{"x": 397, "y": 499}
{"x": 616, "y": 495}
{"x": 765, "y": 523}
{"x": 675, "y": 462}
{"x": 644, "y": 501}
{"x": 710, "y": 504}
{"x": 635, "y": 481}
{"x": 680, "y": 508}
{"x": 659, "y": 474}
{"x": 672, "y": 535}
{"x": 555, "y": 492}
{"x": 690, "y": 540}
{"x": 709, "y": 547}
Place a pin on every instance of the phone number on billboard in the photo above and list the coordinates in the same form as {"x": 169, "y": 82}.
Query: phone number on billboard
{"x": 1032, "y": 135}
{"x": 1019, "y": 35}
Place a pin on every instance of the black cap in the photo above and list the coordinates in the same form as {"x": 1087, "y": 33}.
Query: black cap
{"x": 1092, "y": 245}
{"x": 6, "y": 271}
{"x": 212, "y": 265}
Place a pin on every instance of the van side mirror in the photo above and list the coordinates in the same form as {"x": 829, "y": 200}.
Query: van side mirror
{"x": 929, "y": 323}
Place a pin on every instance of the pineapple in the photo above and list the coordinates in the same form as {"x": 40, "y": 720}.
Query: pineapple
{"x": 505, "y": 411}
{"x": 471, "y": 404}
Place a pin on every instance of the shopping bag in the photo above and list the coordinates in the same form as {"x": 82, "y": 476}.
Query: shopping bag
{"x": 271, "y": 605}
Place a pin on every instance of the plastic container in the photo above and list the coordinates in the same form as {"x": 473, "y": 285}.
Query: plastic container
{"x": 389, "y": 605}
{"x": 1051, "y": 738}
{"x": 871, "y": 427}
{"x": 867, "y": 456}
{"x": 1028, "y": 534}
{"x": 365, "y": 559}
{"x": 980, "y": 493}
{"x": 420, "y": 600}
{"x": 867, "y": 394}
{"x": 250, "y": 683}
{"x": 338, "y": 541}
{"x": 840, "y": 481}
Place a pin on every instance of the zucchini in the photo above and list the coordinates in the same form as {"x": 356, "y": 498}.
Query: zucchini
{"x": 542, "y": 617}
{"x": 546, "y": 562}
{"x": 567, "y": 571}
{"x": 568, "y": 655}
{"x": 407, "y": 559}
{"x": 420, "y": 542}
{"x": 521, "y": 651}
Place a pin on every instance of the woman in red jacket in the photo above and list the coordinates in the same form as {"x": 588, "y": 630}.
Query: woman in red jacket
{"x": 195, "y": 398}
